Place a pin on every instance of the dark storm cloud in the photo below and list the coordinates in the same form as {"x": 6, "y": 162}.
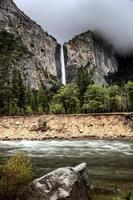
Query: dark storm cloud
{"x": 66, "y": 18}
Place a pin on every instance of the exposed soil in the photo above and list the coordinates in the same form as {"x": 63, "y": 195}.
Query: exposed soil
{"x": 116, "y": 126}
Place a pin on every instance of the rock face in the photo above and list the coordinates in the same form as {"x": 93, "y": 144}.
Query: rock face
{"x": 62, "y": 184}
{"x": 40, "y": 62}
{"x": 90, "y": 52}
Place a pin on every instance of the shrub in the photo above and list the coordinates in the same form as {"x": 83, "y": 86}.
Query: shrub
{"x": 66, "y": 100}
{"x": 15, "y": 175}
{"x": 96, "y": 99}
{"x": 28, "y": 109}
{"x": 129, "y": 88}
{"x": 57, "y": 108}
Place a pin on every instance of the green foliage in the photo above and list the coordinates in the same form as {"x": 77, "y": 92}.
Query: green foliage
{"x": 38, "y": 100}
{"x": 43, "y": 99}
{"x": 103, "y": 99}
{"x": 11, "y": 87}
{"x": 66, "y": 99}
{"x": 18, "y": 94}
{"x": 57, "y": 108}
{"x": 129, "y": 87}
{"x": 16, "y": 174}
{"x": 115, "y": 99}
{"x": 28, "y": 109}
{"x": 84, "y": 79}
{"x": 96, "y": 99}
{"x": 14, "y": 109}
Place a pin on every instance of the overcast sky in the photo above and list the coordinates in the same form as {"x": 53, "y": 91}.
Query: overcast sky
{"x": 65, "y": 18}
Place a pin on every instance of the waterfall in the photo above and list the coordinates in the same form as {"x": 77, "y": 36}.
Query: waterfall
{"x": 63, "y": 66}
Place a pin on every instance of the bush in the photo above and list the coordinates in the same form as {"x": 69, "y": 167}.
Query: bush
{"x": 14, "y": 109}
{"x": 96, "y": 99}
{"x": 28, "y": 109}
{"x": 15, "y": 175}
{"x": 57, "y": 108}
{"x": 66, "y": 100}
{"x": 129, "y": 88}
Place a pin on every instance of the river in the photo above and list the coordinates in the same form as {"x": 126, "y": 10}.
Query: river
{"x": 109, "y": 163}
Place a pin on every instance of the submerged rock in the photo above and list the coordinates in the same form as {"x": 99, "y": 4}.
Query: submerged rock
{"x": 64, "y": 183}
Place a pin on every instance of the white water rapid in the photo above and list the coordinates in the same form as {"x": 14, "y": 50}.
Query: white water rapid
{"x": 63, "y": 66}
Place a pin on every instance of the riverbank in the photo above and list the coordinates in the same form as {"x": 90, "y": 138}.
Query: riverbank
{"x": 42, "y": 127}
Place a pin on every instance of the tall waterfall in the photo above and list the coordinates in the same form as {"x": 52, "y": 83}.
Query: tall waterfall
{"x": 63, "y": 66}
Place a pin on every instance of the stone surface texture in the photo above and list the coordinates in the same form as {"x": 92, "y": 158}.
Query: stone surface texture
{"x": 88, "y": 50}
{"x": 42, "y": 62}
{"x": 62, "y": 184}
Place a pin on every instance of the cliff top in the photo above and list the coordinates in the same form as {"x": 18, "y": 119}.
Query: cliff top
{"x": 95, "y": 36}
{"x": 11, "y": 7}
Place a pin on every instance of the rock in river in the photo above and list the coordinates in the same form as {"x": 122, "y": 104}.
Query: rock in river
{"x": 64, "y": 183}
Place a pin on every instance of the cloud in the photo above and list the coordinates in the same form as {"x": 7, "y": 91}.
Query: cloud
{"x": 64, "y": 19}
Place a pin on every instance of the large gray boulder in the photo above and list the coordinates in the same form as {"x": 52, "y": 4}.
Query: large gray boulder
{"x": 64, "y": 183}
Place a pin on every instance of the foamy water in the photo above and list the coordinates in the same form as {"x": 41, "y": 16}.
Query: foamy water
{"x": 69, "y": 148}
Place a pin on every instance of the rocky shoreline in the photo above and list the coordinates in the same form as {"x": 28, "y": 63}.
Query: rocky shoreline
{"x": 69, "y": 127}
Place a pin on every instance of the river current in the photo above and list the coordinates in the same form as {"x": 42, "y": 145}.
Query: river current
{"x": 109, "y": 163}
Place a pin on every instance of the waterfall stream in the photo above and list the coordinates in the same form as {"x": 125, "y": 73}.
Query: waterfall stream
{"x": 63, "y": 66}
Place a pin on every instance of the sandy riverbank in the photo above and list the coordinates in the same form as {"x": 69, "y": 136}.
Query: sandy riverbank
{"x": 65, "y": 127}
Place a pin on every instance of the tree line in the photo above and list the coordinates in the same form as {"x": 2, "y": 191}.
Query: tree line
{"x": 96, "y": 99}
{"x": 17, "y": 99}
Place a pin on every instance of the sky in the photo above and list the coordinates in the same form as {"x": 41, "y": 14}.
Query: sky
{"x": 64, "y": 19}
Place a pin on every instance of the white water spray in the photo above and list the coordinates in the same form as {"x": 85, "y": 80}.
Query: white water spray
{"x": 63, "y": 66}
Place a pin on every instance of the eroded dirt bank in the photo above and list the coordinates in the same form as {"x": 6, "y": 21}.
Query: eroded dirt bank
{"x": 66, "y": 127}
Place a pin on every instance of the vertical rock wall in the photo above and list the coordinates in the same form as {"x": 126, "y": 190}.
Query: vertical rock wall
{"x": 89, "y": 51}
{"x": 41, "y": 62}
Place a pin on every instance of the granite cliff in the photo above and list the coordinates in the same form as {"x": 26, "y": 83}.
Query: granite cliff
{"x": 91, "y": 52}
{"x": 31, "y": 62}
{"x": 29, "y": 48}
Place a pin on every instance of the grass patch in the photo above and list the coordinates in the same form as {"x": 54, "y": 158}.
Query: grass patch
{"x": 15, "y": 175}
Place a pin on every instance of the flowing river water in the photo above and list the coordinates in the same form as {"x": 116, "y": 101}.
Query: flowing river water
{"x": 109, "y": 163}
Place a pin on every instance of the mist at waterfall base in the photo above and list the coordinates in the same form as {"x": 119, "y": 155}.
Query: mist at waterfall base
{"x": 65, "y": 19}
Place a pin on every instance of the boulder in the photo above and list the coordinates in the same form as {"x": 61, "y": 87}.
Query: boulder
{"x": 62, "y": 184}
